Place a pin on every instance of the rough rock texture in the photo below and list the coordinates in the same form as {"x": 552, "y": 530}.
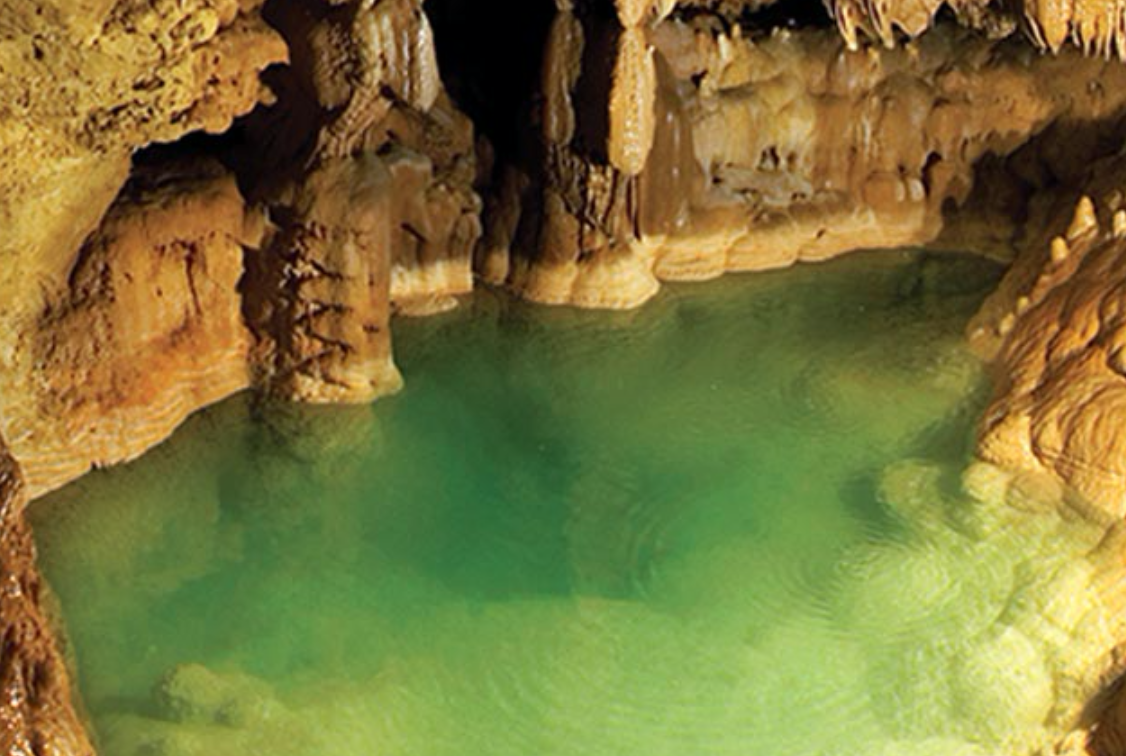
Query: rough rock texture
{"x": 93, "y": 368}
{"x": 1097, "y": 28}
{"x": 700, "y": 151}
{"x": 1056, "y": 329}
{"x": 36, "y": 716}
{"x": 365, "y": 169}
{"x": 145, "y": 328}
{"x": 374, "y": 201}
{"x": 83, "y": 85}
{"x": 321, "y": 296}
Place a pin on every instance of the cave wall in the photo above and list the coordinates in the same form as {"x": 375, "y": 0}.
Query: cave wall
{"x": 654, "y": 142}
{"x": 138, "y": 291}
{"x": 83, "y": 86}
{"x": 37, "y": 715}
{"x": 685, "y": 148}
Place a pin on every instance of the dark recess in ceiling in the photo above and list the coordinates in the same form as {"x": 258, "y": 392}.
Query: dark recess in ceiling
{"x": 490, "y": 53}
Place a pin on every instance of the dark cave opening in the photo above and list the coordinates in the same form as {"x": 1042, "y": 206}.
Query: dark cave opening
{"x": 491, "y": 73}
{"x": 796, "y": 14}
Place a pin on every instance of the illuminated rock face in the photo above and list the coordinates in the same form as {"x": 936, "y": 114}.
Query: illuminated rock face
{"x": 726, "y": 153}
{"x": 147, "y": 328}
{"x": 1057, "y": 334}
{"x": 664, "y": 141}
{"x": 36, "y": 715}
{"x": 360, "y": 179}
{"x": 367, "y": 170}
{"x": 83, "y": 86}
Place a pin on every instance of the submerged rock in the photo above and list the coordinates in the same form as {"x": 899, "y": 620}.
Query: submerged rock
{"x": 194, "y": 693}
{"x": 1004, "y": 690}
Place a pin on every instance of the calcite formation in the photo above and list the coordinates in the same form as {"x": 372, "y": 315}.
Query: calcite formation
{"x": 145, "y": 328}
{"x": 83, "y": 86}
{"x": 36, "y": 716}
{"x": 1097, "y": 28}
{"x": 706, "y": 151}
{"x": 371, "y": 188}
{"x": 664, "y": 141}
{"x": 1056, "y": 329}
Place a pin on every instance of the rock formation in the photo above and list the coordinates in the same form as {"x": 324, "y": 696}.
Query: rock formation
{"x": 370, "y": 183}
{"x": 1057, "y": 333}
{"x": 83, "y": 85}
{"x": 663, "y": 140}
{"x": 363, "y": 204}
{"x": 704, "y": 151}
{"x": 1097, "y": 28}
{"x": 36, "y": 716}
{"x": 145, "y": 328}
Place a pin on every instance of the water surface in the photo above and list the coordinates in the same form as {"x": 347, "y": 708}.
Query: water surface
{"x": 736, "y": 521}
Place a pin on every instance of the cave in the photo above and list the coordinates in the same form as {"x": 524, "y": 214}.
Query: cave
{"x": 574, "y": 376}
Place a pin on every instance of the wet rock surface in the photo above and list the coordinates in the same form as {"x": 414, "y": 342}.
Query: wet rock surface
{"x": 367, "y": 168}
{"x": 145, "y": 328}
{"x": 36, "y": 716}
{"x": 701, "y": 151}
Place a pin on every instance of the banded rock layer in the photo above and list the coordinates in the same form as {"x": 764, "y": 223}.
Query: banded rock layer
{"x": 83, "y": 86}
{"x": 1057, "y": 331}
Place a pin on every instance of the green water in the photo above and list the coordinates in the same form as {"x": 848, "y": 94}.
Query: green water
{"x": 733, "y": 522}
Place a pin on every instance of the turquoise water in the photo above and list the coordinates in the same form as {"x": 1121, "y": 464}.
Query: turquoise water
{"x": 736, "y": 521}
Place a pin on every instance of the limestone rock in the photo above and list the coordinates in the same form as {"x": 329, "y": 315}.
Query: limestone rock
{"x": 1094, "y": 26}
{"x": 371, "y": 185}
{"x": 86, "y": 83}
{"x": 145, "y": 328}
{"x": 668, "y": 141}
{"x": 320, "y": 296}
{"x": 766, "y": 152}
{"x": 37, "y": 715}
{"x": 1057, "y": 332}
{"x": 632, "y": 105}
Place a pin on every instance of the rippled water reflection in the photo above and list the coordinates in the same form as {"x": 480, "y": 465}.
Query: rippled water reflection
{"x": 733, "y": 522}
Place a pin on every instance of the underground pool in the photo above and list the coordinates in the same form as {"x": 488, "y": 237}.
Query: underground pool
{"x": 742, "y": 520}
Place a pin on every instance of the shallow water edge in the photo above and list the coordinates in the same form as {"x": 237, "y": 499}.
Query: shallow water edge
{"x": 563, "y": 554}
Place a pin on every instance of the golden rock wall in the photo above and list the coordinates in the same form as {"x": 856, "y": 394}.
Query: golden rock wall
{"x": 703, "y": 151}
{"x": 36, "y": 716}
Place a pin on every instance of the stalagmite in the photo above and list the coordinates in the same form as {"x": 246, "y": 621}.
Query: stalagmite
{"x": 1084, "y": 221}
{"x": 1120, "y": 224}
{"x": 1059, "y": 250}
